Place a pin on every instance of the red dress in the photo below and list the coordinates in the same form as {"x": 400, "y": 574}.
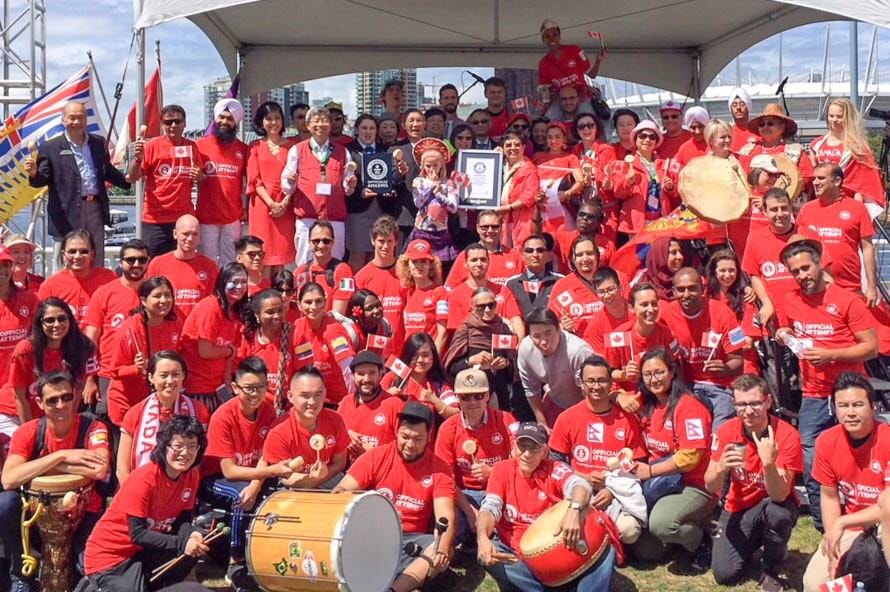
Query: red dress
{"x": 521, "y": 185}
{"x": 264, "y": 170}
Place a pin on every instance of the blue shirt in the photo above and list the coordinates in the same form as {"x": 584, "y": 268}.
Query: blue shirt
{"x": 89, "y": 179}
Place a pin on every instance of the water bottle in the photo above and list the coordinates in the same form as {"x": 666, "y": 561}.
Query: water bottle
{"x": 860, "y": 587}
{"x": 796, "y": 346}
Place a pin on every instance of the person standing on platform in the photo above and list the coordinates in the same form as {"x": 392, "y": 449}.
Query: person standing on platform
{"x": 740, "y": 108}
{"x": 674, "y": 134}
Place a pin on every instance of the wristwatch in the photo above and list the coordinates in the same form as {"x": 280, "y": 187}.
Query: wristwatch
{"x": 575, "y": 506}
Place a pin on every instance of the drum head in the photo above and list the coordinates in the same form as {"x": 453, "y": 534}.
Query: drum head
{"x": 57, "y": 483}
{"x": 714, "y": 189}
{"x": 790, "y": 180}
{"x": 371, "y": 544}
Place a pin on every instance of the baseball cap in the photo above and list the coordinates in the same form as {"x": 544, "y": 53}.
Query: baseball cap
{"x": 4, "y": 254}
{"x": 11, "y": 240}
{"x": 767, "y": 163}
{"x": 671, "y": 105}
{"x": 532, "y": 431}
{"x": 366, "y": 357}
{"x": 471, "y": 380}
{"x": 417, "y": 410}
{"x": 419, "y": 249}
{"x": 549, "y": 24}
{"x": 334, "y": 106}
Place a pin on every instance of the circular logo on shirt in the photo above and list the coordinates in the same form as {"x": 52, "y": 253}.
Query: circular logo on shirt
{"x": 768, "y": 269}
{"x": 427, "y": 481}
{"x": 264, "y": 432}
{"x": 202, "y": 275}
{"x": 379, "y": 419}
{"x": 831, "y": 309}
{"x": 186, "y": 494}
{"x": 798, "y": 327}
{"x": 542, "y": 496}
{"x": 377, "y": 169}
{"x": 387, "y": 493}
{"x": 164, "y": 170}
{"x": 844, "y": 215}
{"x": 509, "y": 264}
{"x": 497, "y": 438}
{"x": 619, "y": 433}
{"x": 510, "y": 512}
{"x": 428, "y": 302}
{"x": 24, "y": 311}
{"x": 116, "y": 320}
{"x": 330, "y": 441}
{"x": 572, "y": 63}
{"x": 576, "y": 309}
{"x": 581, "y": 453}
{"x": 876, "y": 467}
{"x": 174, "y": 337}
{"x": 210, "y": 167}
{"x": 668, "y": 424}
{"x": 239, "y": 155}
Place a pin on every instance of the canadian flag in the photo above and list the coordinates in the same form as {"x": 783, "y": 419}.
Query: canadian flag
{"x": 565, "y": 298}
{"x": 303, "y": 278}
{"x": 182, "y": 151}
{"x": 519, "y": 105}
{"x": 531, "y": 287}
{"x": 711, "y": 339}
{"x": 844, "y": 584}
{"x": 619, "y": 339}
{"x": 398, "y": 367}
{"x": 377, "y": 341}
{"x": 595, "y": 35}
{"x": 508, "y": 341}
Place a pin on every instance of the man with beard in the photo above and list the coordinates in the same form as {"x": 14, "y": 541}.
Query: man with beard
{"x": 740, "y": 108}
{"x": 830, "y": 331}
{"x": 449, "y": 100}
{"x": 221, "y": 198}
{"x": 338, "y": 121}
{"x": 109, "y": 307}
{"x": 371, "y": 414}
{"x": 420, "y": 486}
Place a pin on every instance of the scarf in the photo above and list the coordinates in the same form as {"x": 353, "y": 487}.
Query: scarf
{"x": 474, "y": 333}
{"x": 146, "y": 437}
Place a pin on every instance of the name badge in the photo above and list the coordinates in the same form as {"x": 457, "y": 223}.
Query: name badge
{"x": 323, "y": 188}
{"x": 65, "y": 153}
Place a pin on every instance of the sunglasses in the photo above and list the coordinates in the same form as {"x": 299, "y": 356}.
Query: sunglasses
{"x": 645, "y": 136}
{"x": 489, "y": 226}
{"x": 255, "y": 254}
{"x": 486, "y": 306}
{"x": 55, "y": 320}
{"x": 531, "y": 250}
{"x": 520, "y": 127}
{"x": 586, "y": 126}
{"x": 54, "y": 401}
{"x": 526, "y": 445}
{"x": 169, "y": 122}
{"x": 670, "y": 117}
{"x": 321, "y": 241}
{"x": 135, "y": 260}
{"x": 769, "y": 123}
{"x": 471, "y": 396}
{"x": 480, "y": 122}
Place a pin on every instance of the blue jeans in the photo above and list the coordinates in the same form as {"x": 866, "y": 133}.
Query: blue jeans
{"x": 224, "y": 494}
{"x": 475, "y": 497}
{"x": 815, "y": 417}
{"x": 518, "y": 577}
{"x": 720, "y": 398}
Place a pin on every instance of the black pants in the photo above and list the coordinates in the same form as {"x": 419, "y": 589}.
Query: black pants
{"x": 134, "y": 574}
{"x": 158, "y": 238}
{"x": 766, "y": 525}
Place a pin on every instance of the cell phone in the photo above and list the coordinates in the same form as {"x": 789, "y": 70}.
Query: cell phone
{"x": 224, "y": 392}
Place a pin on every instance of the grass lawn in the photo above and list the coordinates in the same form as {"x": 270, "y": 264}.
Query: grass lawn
{"x": 674, "y": 576}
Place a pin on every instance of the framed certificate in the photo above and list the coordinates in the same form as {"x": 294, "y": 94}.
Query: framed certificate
{"x": 377, "y": 172}
{"x": 485, "y": 171}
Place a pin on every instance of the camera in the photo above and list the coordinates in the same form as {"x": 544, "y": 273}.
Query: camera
{"x": 879, "y": 114}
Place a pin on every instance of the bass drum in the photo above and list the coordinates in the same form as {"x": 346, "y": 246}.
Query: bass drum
{"x": 313, "y": 541}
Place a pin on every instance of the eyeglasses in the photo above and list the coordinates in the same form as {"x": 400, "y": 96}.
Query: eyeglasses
{"x": 591, "y": 382}
{"x": 519, "y": 128}
{"x": 77, "y": 251}
{"x": 532, "y": 250}
{"x": 180, "y": 448}
{"x": 606, "y": 291}
{"x": 169, "y": 122}
{"x": 657, "y": 375}
{"x": 252, "y": 389}
{"x": 646, "y": 136}
{"x": 754, "y": 405}
{"x": 480, "y": 121}
{"x": 62, "y": 320}
{"x": 135, "y": 260}
{"x": 471, "y": 396}
{"x": 586, "y": 126}
{"x": 321, "y": 241}
{"x": 670, "y": 116}
{"x": 485, "y": 306}
{"x": 526, "y": 445}
{"x": 489, "y": 226}
{"x": 254, "y": 254}
{"x": 464, "y": 138}
{"x": 54, "y": 401}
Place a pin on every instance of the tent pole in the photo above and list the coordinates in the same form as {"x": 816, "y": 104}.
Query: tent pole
{"x": 854, "y": 63}
{"x": 140, "y": 116}
{"x": 696, "y": 78}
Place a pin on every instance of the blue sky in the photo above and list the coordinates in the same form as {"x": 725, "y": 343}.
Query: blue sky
{"x": 190, "y": 61}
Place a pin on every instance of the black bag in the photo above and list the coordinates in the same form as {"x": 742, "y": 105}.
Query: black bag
{"x": 866, "y": 563}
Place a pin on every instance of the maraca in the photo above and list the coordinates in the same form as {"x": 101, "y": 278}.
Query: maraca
{"x": 398, "y": 154}
{"x": 317, "y": 444}
{"x": 470, "y": 448}
{"x": 296, "y": 463}
{"x": 351, "y": 167}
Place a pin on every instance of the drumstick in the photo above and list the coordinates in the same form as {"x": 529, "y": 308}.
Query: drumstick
{"x": 470, "y": 448}
{"x": 220, "y": 531}
{"x": 317, "y": 444}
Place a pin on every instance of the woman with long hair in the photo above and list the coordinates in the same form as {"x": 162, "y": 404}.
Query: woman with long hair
{"x": 268, "y": 337}
{"x": 560, "y": 180}
{"x": 426, "y": 382}
{"x": 426, "y": 299}
{"x": 846, "y": 145}
{"x": 624, "y": 121}
{"x": 17, "y": 309}
{"x": 155, "y": 325}
{"x": 538, "y": 134}
{"x": 211, "y": 333}
{"x": 271, "y": 217}
{"x": 286, "y": 284}
{"x": 677, "y": 431}
{"x": 573, "y": 298}
{"x": 725, "y": 281}
{"x": 56, "y": 343}
{"x": 596, "y": 157}
{"x": 519, "y": 197}
{"x": 166, "y": 372}
{"x": 366, "y": 325}
{"x": 321, "y": 341}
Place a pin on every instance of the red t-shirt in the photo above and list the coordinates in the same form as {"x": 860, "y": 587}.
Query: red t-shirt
{"x": 207, "y": 321}
{"x": 411, "y": 487}
{"x": 499, "y": 122}
{"x": 108, "y": 308}
{"x": 148, "y": 493}
{"x": 698, "y": 336}
{"x": 590, "y": 439}
{"x": 460, "y": 303}
{"x": 24, "y": 444}
{"x": 574, "y": 296}
{"x": 494, "y": 442}
{"x": 328, "y": 349}
{"x": 220, "y": 193}
{"x": 566, "y": 70}
{"x": 344, "y": 282}
{"x": 502, "y": 265}
{"x": 840, "y": 226}
{"x": 691, "y": 149}
{"x": 688, "y": 429}
{"x": 375, "y": 422}
{"x": 23, "y": 374}
{"x": 564, "y": 239}
{"x": 424, "y": 309}
{"x": 192, "y": 279}
{"x": 383, "y": 282}
{"x": 525, "y": 499}
{"x": 290, "y": 439}
{"x": 617, "y": 351}
{"x": 671, "y": 145}
{"x": 741, "y": 136}
{"x": 599, "y": 326}
{"x": 16, "y": 318}
{"x": 860, "y": 474}
{"x": 168, "y": 187}
{"x": 270, "y": 353}
{"x": 233, "y": 436}
{"x": 747, "y": 486}
{"x": 76, "y": 292}
{"x": 829, "y": 319}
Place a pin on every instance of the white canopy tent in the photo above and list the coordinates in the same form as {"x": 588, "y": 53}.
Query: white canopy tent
{"x": 678, "y": 45}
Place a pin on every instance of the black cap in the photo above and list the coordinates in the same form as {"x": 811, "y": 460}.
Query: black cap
{"x": 415, "y": 410}
{"x": 533, "y": 431}
{"x": 365, "y": 357}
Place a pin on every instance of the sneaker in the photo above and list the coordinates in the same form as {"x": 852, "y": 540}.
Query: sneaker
{"x": 701, "y": 561}
{"x": 770, "y": 583}
{"x": 238, "y": 578}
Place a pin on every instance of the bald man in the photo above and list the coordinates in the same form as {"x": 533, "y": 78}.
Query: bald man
{"x": 75, "y": 167}
{"x": 192, "y": 274}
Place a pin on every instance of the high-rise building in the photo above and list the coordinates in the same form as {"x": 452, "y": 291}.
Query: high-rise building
{"x": 293, "y": 95}
{"x": 284, "y": 96}
{"x": 520, "y": 82}
{"x": 322, "y": 101}
{"x": 213, "y": 92}
{"x": 369, "y": 89}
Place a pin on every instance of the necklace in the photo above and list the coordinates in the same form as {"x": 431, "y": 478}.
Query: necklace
{"x": 273, "y": 147}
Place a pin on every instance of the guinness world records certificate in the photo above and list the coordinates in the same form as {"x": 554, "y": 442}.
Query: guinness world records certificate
{"x": 485, "y": 171}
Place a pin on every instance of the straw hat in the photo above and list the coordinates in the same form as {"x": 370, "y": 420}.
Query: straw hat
{"x": 777, "y": 111}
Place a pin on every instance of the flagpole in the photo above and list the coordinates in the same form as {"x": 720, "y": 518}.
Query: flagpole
{"x": 140, "y": 111}
{"x": 95, "y": 72}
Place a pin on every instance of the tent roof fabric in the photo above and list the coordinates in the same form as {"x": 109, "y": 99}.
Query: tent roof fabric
{"x": 678, "y": 45}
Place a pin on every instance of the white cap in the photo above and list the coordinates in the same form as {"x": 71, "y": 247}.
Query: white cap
{"x": 671, "y": 105}
{"x": 767, "y": 163}
{"x": 549, "y": 24}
